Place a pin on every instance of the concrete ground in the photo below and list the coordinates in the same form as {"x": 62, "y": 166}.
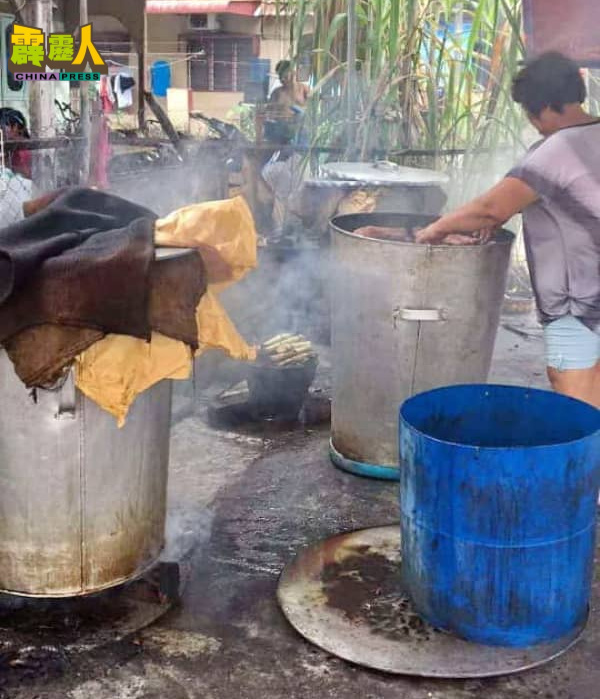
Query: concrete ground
{"x": 244, "y": 504}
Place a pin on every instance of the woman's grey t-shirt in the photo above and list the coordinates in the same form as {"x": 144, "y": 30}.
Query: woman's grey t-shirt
{"x": 562, "y": 228}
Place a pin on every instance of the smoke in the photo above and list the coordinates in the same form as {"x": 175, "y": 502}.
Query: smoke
{"x": 164, "y": 187}
{"x": 474, "y": 173}
{"x": 289, "y": 292}
{"x": 186, "y": 530}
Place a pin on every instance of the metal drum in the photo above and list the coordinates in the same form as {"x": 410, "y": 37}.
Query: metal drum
{"x": 405, "y": 318}
{"x": 399, "y": 189}
{"x": 82, "y": 502}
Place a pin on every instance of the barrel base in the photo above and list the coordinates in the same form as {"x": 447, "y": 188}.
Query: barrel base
{"x": 53, "y": 628}
{"x": 374, "y": 626}
{"x": 358, "y": 468}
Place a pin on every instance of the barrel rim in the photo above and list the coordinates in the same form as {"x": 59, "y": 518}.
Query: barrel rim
{"x": 171, "y": 252}
{"x": 504, "y": 236}
{"x": 474, "y": 447}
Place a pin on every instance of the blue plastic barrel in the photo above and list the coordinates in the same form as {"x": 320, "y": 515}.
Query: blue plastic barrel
{"x": 499, "y": 486}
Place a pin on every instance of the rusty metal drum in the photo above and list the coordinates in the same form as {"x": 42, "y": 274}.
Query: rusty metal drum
{"x": 82, "y": 502}
{"x": 406, "y": 318}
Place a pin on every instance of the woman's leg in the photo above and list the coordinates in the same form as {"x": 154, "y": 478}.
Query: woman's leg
{"x": 573, "y": 359}
{"x": 583, "y": 384}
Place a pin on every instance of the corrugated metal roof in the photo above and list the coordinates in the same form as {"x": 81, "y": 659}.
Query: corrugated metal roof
{"x": 273, "y": 8}
{"x": 185, "y": 7}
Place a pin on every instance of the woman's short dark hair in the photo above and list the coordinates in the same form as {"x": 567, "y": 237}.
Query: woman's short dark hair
{"x": 282, "y": 68}
{"x": 550, "y": 80}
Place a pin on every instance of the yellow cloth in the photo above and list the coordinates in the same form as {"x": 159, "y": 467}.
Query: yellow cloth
{"x": 113, "y": 371}
{"x": 224, "y": 232}
{"x": 118, "y": 368}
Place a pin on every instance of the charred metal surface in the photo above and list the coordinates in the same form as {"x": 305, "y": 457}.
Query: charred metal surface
{"x": 42, "y": 639}
{"x": 80, "y": 624}
{"x": 236, "y": 412}
{"x": 365, "y": 587}
{"x": 346, "y": 595}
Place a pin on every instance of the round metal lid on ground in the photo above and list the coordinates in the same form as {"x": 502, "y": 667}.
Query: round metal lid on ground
{"x": 344, "y": 594}
{"x": 385, "y": 174}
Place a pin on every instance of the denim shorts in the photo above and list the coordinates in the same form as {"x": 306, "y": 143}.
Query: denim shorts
{"x": 571, "y": 345}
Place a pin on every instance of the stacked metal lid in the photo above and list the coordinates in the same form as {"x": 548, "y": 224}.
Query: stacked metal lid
{"x": 347, "y": 175}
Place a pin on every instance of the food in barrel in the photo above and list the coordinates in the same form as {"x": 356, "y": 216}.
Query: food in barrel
{"x": 403, "y": 235}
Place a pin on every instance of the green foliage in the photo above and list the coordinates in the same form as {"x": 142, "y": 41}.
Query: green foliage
{"x": 422, "y": 82}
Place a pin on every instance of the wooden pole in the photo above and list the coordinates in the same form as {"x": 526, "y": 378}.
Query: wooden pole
{"x": 16, "y": 10}
{"x": 351, "y": 84}
{"x": 84, "y": 108}
{"x": 41, "y": 102}
{"x": 142, "y": 53}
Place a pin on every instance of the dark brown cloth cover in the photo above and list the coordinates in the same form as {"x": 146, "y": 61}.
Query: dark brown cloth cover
{"x": 82, "y": 267}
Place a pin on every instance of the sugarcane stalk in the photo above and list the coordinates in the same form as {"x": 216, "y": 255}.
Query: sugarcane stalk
{"x": 277, "y": 339}
{"x": 298, "y": 359}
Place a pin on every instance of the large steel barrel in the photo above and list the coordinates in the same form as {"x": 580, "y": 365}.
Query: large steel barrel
{"x": 82, "y": 502}
{"x": 498, "y": 511}
{"x": 405, "y": 318}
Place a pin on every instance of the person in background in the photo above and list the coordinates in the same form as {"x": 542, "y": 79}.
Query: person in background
{"x": 291, "y": 93}
{"x": 14, "y": 128}
{"x": 286, "y": 106}
{"x": 556, "y": 187}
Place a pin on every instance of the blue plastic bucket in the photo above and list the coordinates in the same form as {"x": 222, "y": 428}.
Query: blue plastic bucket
{"x": 498, "y": 493}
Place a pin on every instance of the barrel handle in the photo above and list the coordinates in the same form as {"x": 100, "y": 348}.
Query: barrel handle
{"x": 67, "y": 399}
{"x": 418, "y": 315}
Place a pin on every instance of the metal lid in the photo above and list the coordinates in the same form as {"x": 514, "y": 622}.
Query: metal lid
{"x": 171, "y": 253}
{"x": 317, "y": 593}
{"x": 383, "y": 173}
{"x": 321, "y": 183}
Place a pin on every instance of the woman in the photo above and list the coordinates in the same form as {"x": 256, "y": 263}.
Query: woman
{"x": 14, "y": 128}
{"x": 556, "y": 187}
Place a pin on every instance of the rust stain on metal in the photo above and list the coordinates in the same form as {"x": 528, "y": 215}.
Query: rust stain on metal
{"x": 132, "y": 547}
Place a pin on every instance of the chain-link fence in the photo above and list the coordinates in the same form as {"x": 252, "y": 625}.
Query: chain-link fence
{"x": 146, "y": 169}
{"x": 30, "y": 165}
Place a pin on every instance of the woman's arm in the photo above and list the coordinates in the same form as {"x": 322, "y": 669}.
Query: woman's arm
{"x": 487, "y": 212}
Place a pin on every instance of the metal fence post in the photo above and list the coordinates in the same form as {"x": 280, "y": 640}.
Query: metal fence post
{"x": 85, "y": 109}
{"x": 41, "y": 104}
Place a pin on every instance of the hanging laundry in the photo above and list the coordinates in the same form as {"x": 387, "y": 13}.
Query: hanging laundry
{"x": 107, "y": 96}
{"x": 160, "y": 76}
{"x": 100, "y": 140}
{"x": 122, "y": 85}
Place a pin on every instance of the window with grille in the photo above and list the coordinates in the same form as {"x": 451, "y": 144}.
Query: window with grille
{"x": 222, "y": 64}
